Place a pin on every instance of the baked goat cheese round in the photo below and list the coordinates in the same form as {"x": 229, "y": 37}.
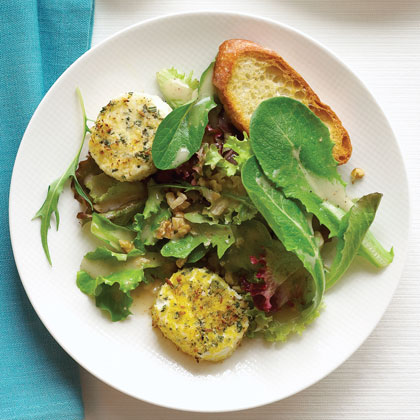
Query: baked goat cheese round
{"x": 201, "y": 314}
{"x": 121, "y": 140}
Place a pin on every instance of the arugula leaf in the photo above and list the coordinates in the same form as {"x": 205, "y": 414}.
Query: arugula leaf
{"x": 55, "y": 189}
{"x": 353, "y": 228}
{"x": 289, "y": 224}
{"x": 110, "y": 233}
{"x": 219, "y": 236}
{"x": 294, "y": 149}
{"x": 180, "y": 134}
{"x": 177, "y": 88}
{"x": 112, "y": 293}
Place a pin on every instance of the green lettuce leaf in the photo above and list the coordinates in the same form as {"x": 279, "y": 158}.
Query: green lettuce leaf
{"x": 147, "y": 228}
{"x": 373, "y": 251}
{"x": 111, "y": 293}
{"x": 225, "y": 207}
{"x": 103, "y": 253}
{"x": 155, "y": 212}
{"x": 218, "y": 236}
{"x": 117, "y": 201}
{"x": 221, "y": 237}
{"x": 252, "y": 237}
{"x": 197, "y": 254}
{"x": 288, "y": 138}
{"x": 124, "y": 216}
{"x": 238, "y": 209}
{"x": 196, "y": 217}
{"x": 103, "y": 262}
{"x": 110, "y": 233}
{"x": 290, "y": 225}
{"x": 177, "y": 88}
{"x": 162, "y": 272}
{"x": 181, "y": 248}
{"x": 154, "y": 200}
{"x": 110, "y": 193}
{"x": 274, "y": 330}
{"x": 353, "y": 228}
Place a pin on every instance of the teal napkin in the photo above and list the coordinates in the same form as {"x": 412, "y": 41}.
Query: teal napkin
{"x": 38, "y": 41}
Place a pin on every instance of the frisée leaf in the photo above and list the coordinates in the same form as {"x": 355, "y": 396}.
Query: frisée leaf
{"x": 177, "y": 88}
{"x": 213, "y": 158}
{"x": 242, "y": 148}
{"x": 147, "y": 228}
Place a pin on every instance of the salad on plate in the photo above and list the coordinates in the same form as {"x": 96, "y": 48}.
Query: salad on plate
{"x": 224, "y": 194}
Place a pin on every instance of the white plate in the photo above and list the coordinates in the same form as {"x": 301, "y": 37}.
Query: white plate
{"x": 130, "y": 355}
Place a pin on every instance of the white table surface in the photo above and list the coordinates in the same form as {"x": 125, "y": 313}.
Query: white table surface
{"x": 380, "y": 41}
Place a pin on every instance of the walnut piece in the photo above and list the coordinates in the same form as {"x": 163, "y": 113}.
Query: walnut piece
{"x": 357, "y": 173}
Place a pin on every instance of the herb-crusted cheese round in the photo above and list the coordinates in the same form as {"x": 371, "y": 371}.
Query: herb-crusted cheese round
{"x": 201, "y": 314}
{"x": 122, "y": 138}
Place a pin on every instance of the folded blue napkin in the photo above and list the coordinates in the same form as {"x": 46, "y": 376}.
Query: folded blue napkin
{"x": 38, "y": 41}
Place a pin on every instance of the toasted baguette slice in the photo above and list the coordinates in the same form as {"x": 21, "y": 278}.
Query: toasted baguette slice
{"x": 246, "y": 74}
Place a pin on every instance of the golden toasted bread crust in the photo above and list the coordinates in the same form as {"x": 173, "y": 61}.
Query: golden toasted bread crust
{"x": 230, "y": 54}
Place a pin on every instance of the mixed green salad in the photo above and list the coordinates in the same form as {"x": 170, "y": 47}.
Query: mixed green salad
{"x": 256, "y": 209}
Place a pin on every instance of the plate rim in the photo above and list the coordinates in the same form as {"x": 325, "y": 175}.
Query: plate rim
{"x": 333, "y": 56}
